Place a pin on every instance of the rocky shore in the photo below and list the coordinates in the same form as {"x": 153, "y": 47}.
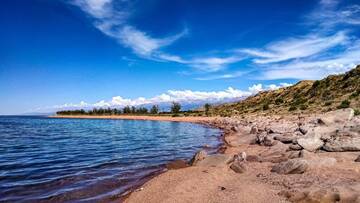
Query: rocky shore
{"x": 293, "y": 158}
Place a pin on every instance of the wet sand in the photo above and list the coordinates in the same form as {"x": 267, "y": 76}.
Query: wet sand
{"x": 152, "y": 118}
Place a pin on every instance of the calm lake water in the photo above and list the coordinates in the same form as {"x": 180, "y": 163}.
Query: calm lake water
{"x": 88, "y": 160}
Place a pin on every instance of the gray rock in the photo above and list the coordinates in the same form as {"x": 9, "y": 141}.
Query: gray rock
{"x": 200, "y": 155}
{"x": 340, "y": 116}
{"x": 284, "y": 139}
{"x": 238, "y": 166}
{"x": 357, "y": 159}
{"x": 253, "y": 130}
{"x": 342, "y": 144}
{"x": 295, "y": 147}
{"x": 310, "y": 143}
{"x": 292, "y": 166}
{"x": 303, "y": 130}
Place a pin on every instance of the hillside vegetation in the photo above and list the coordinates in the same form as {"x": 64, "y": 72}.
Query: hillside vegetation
{"x": 332, "y": 92}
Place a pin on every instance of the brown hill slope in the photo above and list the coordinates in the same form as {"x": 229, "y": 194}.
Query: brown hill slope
{"x": 334, "y": 91}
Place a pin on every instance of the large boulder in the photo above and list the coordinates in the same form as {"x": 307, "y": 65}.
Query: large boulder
{"x": 200, "y": 155}
{"x": 340, "y": 116}
{"x": 311, "y": 143}
{"x": 239, "y": 163}
{"x": 292, "y": 166}
{"x": 285, "y": 138}
{"x": 342, "y": 144}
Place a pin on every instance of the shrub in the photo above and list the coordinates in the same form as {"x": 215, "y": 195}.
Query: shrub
{"x": 355, "y": 94}
{"x": 328, "y": 103}
{"x": 292, "y": 108}
{"x": 303, "y": 107}
{"x": 344, "y": 104}
{"x": 357, "y": 112}
{"x": 279, "y": 101}
{"x": 265, "y": 107}
{"x": 315, "y": 84}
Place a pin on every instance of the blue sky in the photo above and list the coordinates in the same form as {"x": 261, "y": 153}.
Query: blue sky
{"x": 98, "y": 53}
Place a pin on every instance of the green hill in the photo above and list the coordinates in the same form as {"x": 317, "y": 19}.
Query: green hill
{"x": 332, "y": 92}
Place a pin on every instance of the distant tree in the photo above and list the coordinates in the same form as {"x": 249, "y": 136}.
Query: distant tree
{"x": 133, "y": 109}
{"x": 126, "y": 110}
{"x": 207, "y": 107}
{"x": 154, "y": 109}
{"x": 175, "y": 108}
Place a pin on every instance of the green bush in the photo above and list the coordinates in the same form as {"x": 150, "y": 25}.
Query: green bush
{"x": 265, "y": 107}
{"x": 344, "y": 104}
{"x": 292, "y": 108}
{"x": 279, "y": 101}
{"x": 355, "y": 94}
{"x": 357, "y": 112}
{"x": 303, "y": 107}
{"x": 315, "y": 84}
{"x": 328, "y": 103}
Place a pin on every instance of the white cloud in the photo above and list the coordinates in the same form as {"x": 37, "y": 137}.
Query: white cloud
{"x": 182, "y": 96}
{"x": 329, "y": 14}
{"x": 141, "y": 43}
{"x": 223, "y": 76}
{"x": 295, "y": 48}
{"x": 113, "y": 23}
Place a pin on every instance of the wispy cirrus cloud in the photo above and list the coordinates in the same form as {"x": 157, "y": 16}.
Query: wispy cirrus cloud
{"x": 111, "y": 17}
{"x": 325, "y": 49}
{"x": 296, "y": 48}
{"x": 329, "y": 48}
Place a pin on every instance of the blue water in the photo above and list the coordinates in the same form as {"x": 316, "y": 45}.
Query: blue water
{"x": 88, "y": 160}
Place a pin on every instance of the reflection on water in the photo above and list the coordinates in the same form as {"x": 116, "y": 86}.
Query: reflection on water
{"x": 67, "y": 160}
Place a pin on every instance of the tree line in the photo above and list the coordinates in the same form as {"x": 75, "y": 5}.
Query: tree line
{"x": 175, "y": 110}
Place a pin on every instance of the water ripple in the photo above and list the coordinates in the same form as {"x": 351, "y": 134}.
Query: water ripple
{"x": 75, "y": 160}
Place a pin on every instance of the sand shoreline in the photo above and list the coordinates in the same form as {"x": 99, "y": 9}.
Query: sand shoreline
{"x": 277, "y": 167}
{"x": 191, "y": 119}
{"x": 207, "y": 121}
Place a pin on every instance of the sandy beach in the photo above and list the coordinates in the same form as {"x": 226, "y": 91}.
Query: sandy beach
{"x": 277, "y": 166}
{"x": 134, "y": 117}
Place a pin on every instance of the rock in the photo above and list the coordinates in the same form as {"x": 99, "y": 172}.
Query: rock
{"x": 340, "y": 116}
{"x": 238, "y": 166}
{"x": 215, "y": 160}
{"x": 243, "y": 156}
{"x": 254, "y": 130}
{"x": 295, "y": 147}
{"x": 293, "y": 154}
{"x": 357, "y": 159}
{"x": 200, "y": 155}
{"x": 284, "y": 139}
{"x": 343, "y": 144}
{"x": 292, "y": 166}
{"x": 177, "y": 164}
{"x": 303, "y": 130}
{"x": 311, "y": 142}
{"x": 264, "y": 140}
{"x": 235, "y": 128}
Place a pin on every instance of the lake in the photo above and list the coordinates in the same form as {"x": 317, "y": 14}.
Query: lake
{"x": 89, "y": 160}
